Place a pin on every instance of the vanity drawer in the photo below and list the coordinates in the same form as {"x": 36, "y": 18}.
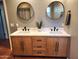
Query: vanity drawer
{"x": 39, "y": 43}
{"x": 37, "y": 49}
{"x": 39, "y": 52}
{"x": 42, "y": 45}
{"x": 39, "y": 46}
{"x": 39, "y": 39}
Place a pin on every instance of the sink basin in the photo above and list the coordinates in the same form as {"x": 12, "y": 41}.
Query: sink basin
{"x": 55, "y": 32}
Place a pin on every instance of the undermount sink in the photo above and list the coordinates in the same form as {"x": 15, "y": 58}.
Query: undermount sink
{"x": 55, "y": 32}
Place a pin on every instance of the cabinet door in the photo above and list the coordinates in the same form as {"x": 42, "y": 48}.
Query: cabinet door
{"x": 62, "y": 47}
{"x": 57, "y": 46}
{"x": 51, "y": 45}
{"x": 27, "y": 46}
{"x": 17, "y": 45}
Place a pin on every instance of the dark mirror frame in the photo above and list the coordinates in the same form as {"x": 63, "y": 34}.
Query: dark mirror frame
{"x": 53, "y": 17}
{"x": 18, "y": 10}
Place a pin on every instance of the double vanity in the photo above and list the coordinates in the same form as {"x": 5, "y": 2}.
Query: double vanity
{"x": 41, "y": 42}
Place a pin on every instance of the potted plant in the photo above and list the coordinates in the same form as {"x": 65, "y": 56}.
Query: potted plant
{"x": 39, "y": 25}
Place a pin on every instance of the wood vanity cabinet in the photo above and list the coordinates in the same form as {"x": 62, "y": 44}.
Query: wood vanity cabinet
{"x": 58, "y": 46}
{"x": 40, "y": 46}
{"x": 21, "y": 45}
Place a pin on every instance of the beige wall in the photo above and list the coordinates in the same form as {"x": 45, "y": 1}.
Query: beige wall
{"x": 73, "y": 28}
{"x": 39, "y": 7}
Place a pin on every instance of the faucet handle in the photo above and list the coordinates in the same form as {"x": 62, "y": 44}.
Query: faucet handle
{"x": 28, "y": 29}
{"x": 57, "y": 29}
{"x": 51, "y": 29}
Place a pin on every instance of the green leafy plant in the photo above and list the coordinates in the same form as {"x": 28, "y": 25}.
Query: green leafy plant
{"x": 39, "y": 24}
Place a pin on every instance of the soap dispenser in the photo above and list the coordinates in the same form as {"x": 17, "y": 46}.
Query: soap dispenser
{"x": 68, "y": 18}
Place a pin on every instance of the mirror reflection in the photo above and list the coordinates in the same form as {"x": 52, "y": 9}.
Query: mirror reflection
{"x": 25, "y": 11}
{"x": 55, "y": 10}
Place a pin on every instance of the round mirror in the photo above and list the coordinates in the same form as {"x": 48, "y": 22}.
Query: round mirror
{"x": 55, "y": 10}
{"x": 25, "y": 11}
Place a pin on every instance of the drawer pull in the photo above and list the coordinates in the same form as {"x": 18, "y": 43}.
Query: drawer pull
{"x": 39, "y": 40}
{"x": 39, "y": 46}
{"x": 39, "y": 52}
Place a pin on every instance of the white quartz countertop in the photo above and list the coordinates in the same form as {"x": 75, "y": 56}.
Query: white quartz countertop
{"x": 42, "y": 32}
